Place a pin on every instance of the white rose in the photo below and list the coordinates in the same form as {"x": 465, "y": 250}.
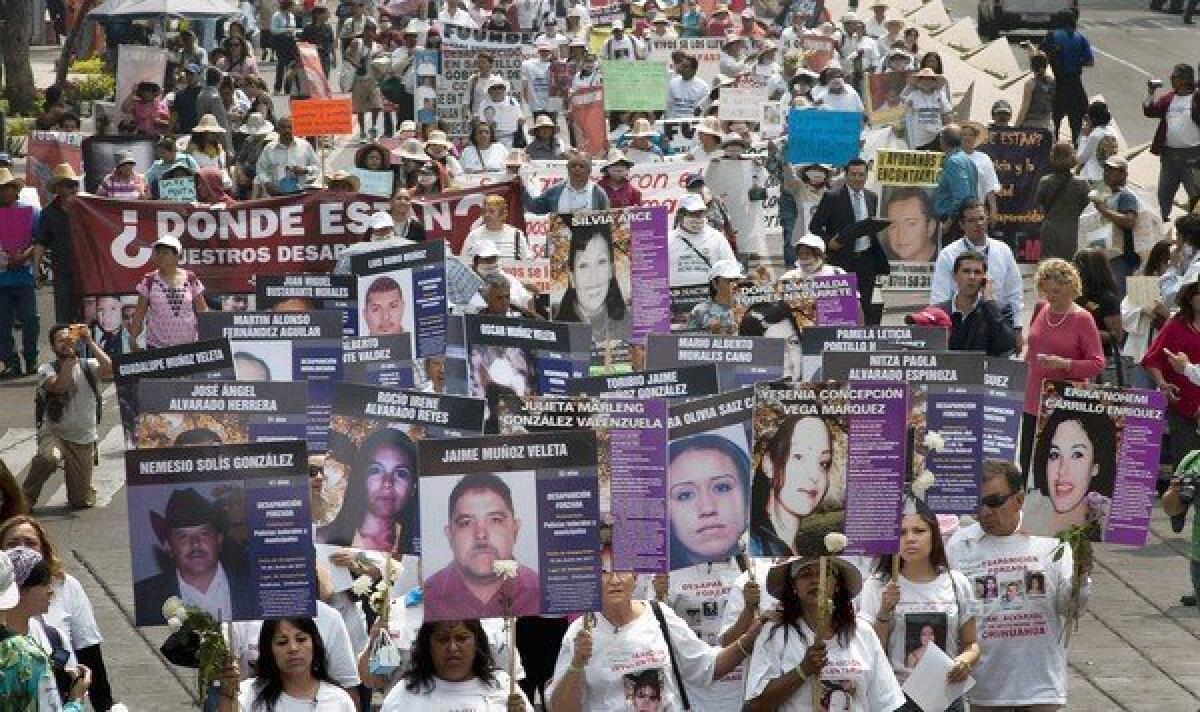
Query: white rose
{"x": 397, "y": 570}
{"x": 835, "y": 542}
{"x": 174, "y": 623}
{"x": 362, "y": 585}
{"x": 934, "y": 441}
{"x": 922, "y": 484}
{"x": 505, "y": 568}
{"x": 173, "y": 608}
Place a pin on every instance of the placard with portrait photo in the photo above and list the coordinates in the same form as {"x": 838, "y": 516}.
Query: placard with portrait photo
{"x": 309, "y": 292}
{"x": 177, "y": 412}
{"x": 206, "y": 359}
{"x": 741, "y": 360}
{"x": 402, "y": 290}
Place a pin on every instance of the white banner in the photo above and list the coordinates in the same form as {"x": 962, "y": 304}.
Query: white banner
{"x": 706, "y": 50}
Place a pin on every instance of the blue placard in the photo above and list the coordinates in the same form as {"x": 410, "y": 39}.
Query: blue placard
{"x": 820, "y": 136}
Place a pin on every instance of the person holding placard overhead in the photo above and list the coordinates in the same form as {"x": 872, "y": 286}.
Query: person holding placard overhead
{"x": 926, "y": 596}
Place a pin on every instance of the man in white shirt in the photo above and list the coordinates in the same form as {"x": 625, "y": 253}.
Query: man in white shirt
{"x": 875, "y": 25}
{"x": 694, "y": 246}
{"x": 287, "y": 163}
{"x": 685, "y": 90}
{"x": 975, "y": 134}
{"x": 1024, "y": 661}
{"x": 1004, "y": 276}
{"x": 501, "y": 110}
{"x": 620, "y": 45}
{"x": 837, "y": 95}
{"x": 535, "y": 77}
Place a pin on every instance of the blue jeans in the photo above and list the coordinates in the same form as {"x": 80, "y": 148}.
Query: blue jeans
{"x": 20, "y": 302}
{"x": 788, "y": 213}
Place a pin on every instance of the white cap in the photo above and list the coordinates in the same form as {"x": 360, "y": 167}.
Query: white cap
{"x": 169, "y": 241}
{"x": 9, "y": 593}
{"x": 693, "y": 203}
{"x": 486, "y": 249}
{"x": 729, "y": 269}
{"x": 813, "y": 241}
{"x": 381, "y": 220}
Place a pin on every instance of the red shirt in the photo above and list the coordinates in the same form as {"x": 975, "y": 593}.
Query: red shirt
{"x": 448, "y": 598}
{"x": 625, "y": 196}
{"x": 1074, "y": 337}
{"x": 1178, "y": 337}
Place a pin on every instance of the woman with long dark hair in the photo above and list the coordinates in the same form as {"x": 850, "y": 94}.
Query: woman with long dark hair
{"x": 291, "y": 674}
{"x": 1074, "y": 455}
{"x": 594, "y": 294}
{"x": 788, "y": 659}
{"x": 708, "y": 488}
{"x": 927, "y": 594}
{"x": 380, "y": 495}
{"x": 452, "y": 661}
{"x": 1101, "y": 299}
{"x": 801, "y": 474}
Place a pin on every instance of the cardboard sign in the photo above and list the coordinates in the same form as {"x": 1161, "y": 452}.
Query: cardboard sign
{"x": 634, "y": 86}
{"x": 820, "y": 136}
{"x": 742, "y": 103}
{"x": 322, "y": 117}
{"x": 896, "y": 167}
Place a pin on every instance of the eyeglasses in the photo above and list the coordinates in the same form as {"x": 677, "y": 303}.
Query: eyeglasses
{"x": 995, "y": 501}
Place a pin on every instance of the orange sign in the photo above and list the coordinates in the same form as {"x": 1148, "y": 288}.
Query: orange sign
{"x": 322, "y": 117}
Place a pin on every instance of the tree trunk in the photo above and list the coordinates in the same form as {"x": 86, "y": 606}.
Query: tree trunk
{"x": 74, "y": 36}
{"x": 18, "y": 73}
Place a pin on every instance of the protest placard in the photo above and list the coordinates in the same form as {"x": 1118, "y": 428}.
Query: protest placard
{"x": 211, "y": 359}
{"x": 138, "y": 63}
{"x": 246, "y": 508}
{"x": 523, "y": 356}
{"x": 45, "y": 150}
{"x": 16, "y": 230}
{"x": 175, "y": 412}
{"x": 285, "y": 346}
{"x": 225, "y": 245}
{"x": 632, "y": 440}
{"x": 1021, "y": 157}
{"x": 828, "y": 457}
{"x": 742, "y": 104}
{"x": 1003, "y": 406}
{"x": 947, "y": 399}
{"x": 634, "y": 86}
{"x": 1142, "y": 292}
{"x": 830, "y": 300}
{"x": 901, "y": 167}
{"x": 100, "y": 158}
{"x": 458, "y": 64}
{"x": 182, "y": 190}
{"x": 379, "y": 361}
{"x": 402, "y": 290}
{"x": 540, "y": 493}
{"x": 609, "y": 268}
{"x": 322, "y": 117}
{"x": 709, "y": 454}
{"x": 373, "y": 429}
{"x": 377, "y": 183}
{"x": 740, "y": 360}
{"x": 815, "y": 341}
{"x": 706, "y": 50}
{"x": 672, "y": 383}
{"x": 588, "y": 124}
{"x": 1095, "y": 461}
{"x": 305, "y": 292}
{"x": 884, "y": 105}
{"x": 820, "y": 136}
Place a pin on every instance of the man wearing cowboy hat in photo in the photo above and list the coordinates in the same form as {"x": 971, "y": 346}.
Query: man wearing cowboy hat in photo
{"x": 53, "y": 235}
{"x": 641, "y": 148}
{"x": 17, "y": 295}
{"x": 192, "y": 531}
{"x": 926, "y": 109}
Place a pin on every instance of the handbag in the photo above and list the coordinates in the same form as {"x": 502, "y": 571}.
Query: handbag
{"x": 666, "y": 634}
{"x": 385, "y": 657}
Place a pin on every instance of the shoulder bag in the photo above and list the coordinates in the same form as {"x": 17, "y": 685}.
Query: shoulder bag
{"x": 666, "y": 634}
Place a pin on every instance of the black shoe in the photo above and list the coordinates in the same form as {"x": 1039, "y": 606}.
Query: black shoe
{"x": 1187, "y": 599}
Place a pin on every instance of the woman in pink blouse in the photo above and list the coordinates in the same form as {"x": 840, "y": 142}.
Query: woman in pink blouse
{"x": 168, "y": 299}
{"x": 145, "y": 112}
{"x": 1062, "y": 343}
{"x": 124, "y": 182}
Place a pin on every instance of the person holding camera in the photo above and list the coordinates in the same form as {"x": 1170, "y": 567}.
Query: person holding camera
{"x": 1179, "y": 497}
{"x": 1177, "y": 138}
{"x": 68, "y": 407}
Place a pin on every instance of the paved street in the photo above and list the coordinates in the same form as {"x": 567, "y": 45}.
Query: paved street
{"x": 1136, "y": 647}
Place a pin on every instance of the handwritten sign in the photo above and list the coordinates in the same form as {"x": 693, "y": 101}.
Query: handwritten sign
{"x": 182, "y": 190}
{"x": 16, "y": 228}
{"x": 634, "y": 86}
{"x": 322, "y": 117}
{"x": 374, "y": 182}
{"x": 742, "y": 103}
{"x": 820, "y": 136}
{"x": 895, "y": 167}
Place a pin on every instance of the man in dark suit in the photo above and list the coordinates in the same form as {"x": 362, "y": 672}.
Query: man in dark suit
{"x": 193, "y": 530}
{"x": 838, "y": 212}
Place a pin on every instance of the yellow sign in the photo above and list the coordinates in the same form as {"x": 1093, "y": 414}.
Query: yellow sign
{"x": 895, "y": 167}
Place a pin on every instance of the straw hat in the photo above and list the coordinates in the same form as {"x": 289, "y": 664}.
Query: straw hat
{"x": 730, "y": 139}
{"x": 780, "y": 576}
{"x": 413, "y": 150}
{"x": 726, "y": 269}
{"x": 7, "y": 178}
{"x": 926, "y": 73}
{"x": 712, "y": 126}
{"x": 616, "y": 158}
{"x": 642, "y": 128}
{"x": 340, "y": 176}
{"x": 438, "y": 138}
{"x": 544, "y": 122}
{"x": 208, "y": 124}
{"x": 62, "y": 172}
{"x": 257, "y": 125}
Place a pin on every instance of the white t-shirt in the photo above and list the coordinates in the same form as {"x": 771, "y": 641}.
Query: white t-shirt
{"x": 1022, "y": 662}
{"x": 699, "y": 594}
{"x": 848, "y": 100}
{"x": 856, "y": 678}
{"x": 684, "y": 95}
{"x": 536, "y": 75}
{"x": 78, "y": 422}
{"x": 737, "y": 601}
{"x": 512, "y": 243}
{"x": 945, "y": 604}
{"x": 925, "y": 113}
{"x": 71, "y": 614}
{"x": 341, "y": 660}
{"x": 638, "y": 648}
{"x": 473, "y": 695}
{"x": 691, "y": 255}
{"x": 506, "y": 114}
{"x": 989, "y": 182}
{"x": 329, "y": 699}
{"x": 492, "y": 158}
{"x": 1182, "y": 131}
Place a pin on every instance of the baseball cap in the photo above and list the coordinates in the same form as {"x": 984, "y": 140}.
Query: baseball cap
{"x": 170, "y": 241}
{"x": 9, "y": 593}
{"x": 381, "y": 220}
{"x": 1002, "y": 105}
{"x": 692, "y": 203}
{"x": 727, "y": 269}
{"x": 929, "y": 316}
{"x": 813, "y": 241}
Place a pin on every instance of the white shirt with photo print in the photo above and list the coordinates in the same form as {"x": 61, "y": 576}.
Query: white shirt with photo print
{"x": 472, "y": 695}
{"x": 857, "y": 676}
{"x": 699, "y": 594}
{"x": 1023, "y": 661}
{"x": 637, "y": 647}
{"x": 737, "y": 600}
{"x": 946, "y": 602}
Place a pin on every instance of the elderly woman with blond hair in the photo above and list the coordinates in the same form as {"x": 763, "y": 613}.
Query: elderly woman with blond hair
{"x": 1062, "y": 342}
{"x": 1062, "y": 196}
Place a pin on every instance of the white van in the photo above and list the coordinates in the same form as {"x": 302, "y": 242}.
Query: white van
{"x": 996, "y": 16}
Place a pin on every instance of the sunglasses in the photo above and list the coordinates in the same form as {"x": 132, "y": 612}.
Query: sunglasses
{"x": 995, "y": 501}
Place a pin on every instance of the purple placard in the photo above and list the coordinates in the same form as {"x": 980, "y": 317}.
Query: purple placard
{"x": 16, "y": 228}
{"x": 837, "y": 300}
{"x": 649, "y": 270}
{"x": 639, "y": 475}
{"x": 1003, "y": 405}
{"x": 956, "y": 414}
{"x": 568, "y": 558}
{"x": 875, "y": 465}
{"x": 1095, "y": 456}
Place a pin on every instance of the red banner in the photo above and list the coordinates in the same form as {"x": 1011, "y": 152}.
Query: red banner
{"x": 47, "y": 149}
{"x": 451, "y": 215}
{"x": 226, "y": 246}
{"x": 588, "y": 125}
